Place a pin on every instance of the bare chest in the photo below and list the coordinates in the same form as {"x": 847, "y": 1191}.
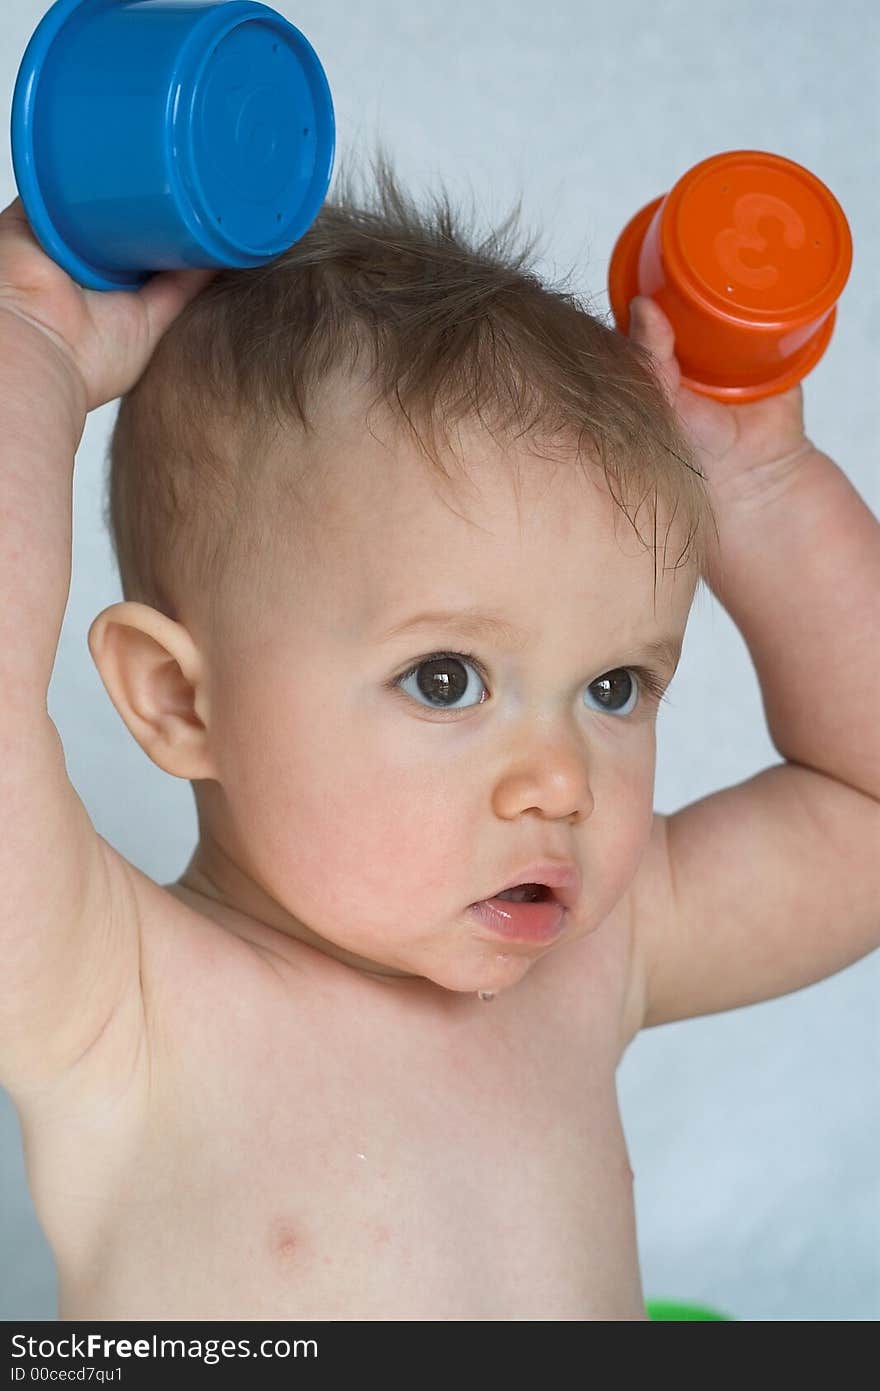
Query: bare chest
{"x": 378, "y": 1162}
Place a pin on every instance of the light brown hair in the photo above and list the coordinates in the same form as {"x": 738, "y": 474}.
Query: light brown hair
{"x": 445, "y": 327}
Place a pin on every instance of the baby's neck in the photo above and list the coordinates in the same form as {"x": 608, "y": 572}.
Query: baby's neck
{"x": 197, "y": 890}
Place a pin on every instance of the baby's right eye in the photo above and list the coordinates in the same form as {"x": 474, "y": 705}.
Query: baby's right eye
{"x": 442, "y": 679}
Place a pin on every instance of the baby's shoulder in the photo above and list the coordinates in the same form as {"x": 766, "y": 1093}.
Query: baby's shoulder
{"x": 175, "y": 1036}
{"x": 206, "y": 969}
{"x": 186, "y": 970}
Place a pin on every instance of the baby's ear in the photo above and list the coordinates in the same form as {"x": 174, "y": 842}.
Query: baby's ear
{"x": 154, "y": 674}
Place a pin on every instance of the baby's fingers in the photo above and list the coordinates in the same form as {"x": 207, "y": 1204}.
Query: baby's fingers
{"x": 167, "y": 294}
{"x": 650, "y": 328}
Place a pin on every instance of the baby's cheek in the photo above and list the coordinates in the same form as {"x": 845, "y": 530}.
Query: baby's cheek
{"x": 352, "y": 837}
{"x": 402, "y": 838}
{"x": 623, "y": 829}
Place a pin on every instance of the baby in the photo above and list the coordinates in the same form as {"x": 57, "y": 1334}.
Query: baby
{"x": 408, "y": 542}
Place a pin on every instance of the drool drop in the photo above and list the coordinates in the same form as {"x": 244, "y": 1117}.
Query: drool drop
{"x": 486, "y": 994}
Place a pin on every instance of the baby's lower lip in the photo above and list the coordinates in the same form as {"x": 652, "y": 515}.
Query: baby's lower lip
{"x": 521, "y": 922}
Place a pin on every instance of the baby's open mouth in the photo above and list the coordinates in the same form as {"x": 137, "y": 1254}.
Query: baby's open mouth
{"x": 529, "y": 913}
{"x": 527, "y": 893}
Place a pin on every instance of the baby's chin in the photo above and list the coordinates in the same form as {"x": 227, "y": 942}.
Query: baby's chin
{"x": 501, "y": 972}
{"x": 467, "y": 969}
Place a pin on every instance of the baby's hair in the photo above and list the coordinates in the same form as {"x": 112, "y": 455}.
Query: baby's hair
{"x": 442, "y": 327}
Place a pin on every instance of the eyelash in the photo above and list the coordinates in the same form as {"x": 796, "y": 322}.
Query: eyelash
{"x": 649, "y": 681}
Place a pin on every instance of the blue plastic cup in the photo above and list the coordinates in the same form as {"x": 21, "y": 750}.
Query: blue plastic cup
{"x": 154, "y": 135}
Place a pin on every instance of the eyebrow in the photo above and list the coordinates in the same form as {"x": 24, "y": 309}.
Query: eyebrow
{"x": 490, "y": 627}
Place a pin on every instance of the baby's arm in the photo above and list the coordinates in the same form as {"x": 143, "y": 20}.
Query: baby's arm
{"x": 64, "y": 958}
{"x": 773, "y": 884}
{"x": 69, "y": 946}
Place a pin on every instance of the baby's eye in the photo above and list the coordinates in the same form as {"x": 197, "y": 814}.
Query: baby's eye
{"x": 617, "y": 691}
{"x": 443, "y": 680}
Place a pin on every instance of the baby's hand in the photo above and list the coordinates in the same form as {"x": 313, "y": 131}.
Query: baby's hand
{"x": 740, "y": 446}
{"x": 105, "y": 338}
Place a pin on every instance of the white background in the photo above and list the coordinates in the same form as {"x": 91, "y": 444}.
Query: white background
{"x": 754, "y": 1135}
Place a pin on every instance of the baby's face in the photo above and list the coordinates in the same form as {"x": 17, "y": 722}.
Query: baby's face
{"x": 364, "y": 809}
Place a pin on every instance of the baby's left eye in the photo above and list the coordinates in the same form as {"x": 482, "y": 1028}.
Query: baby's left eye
{"x": 615, "y": 687}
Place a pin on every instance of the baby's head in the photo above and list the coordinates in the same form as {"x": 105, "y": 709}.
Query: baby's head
{"x": 390, "y": 421}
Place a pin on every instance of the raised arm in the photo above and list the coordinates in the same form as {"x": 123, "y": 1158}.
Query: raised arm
{"x": 60, "y": 973}
{"x": 69, "y": 946}
{"x": 770, "y": 885}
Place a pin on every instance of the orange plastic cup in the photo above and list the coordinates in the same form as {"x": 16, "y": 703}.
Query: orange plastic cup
{"x": 747, "y": 255}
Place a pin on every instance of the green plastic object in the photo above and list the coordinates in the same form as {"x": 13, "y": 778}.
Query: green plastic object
{"x": 662, "y": 1310}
